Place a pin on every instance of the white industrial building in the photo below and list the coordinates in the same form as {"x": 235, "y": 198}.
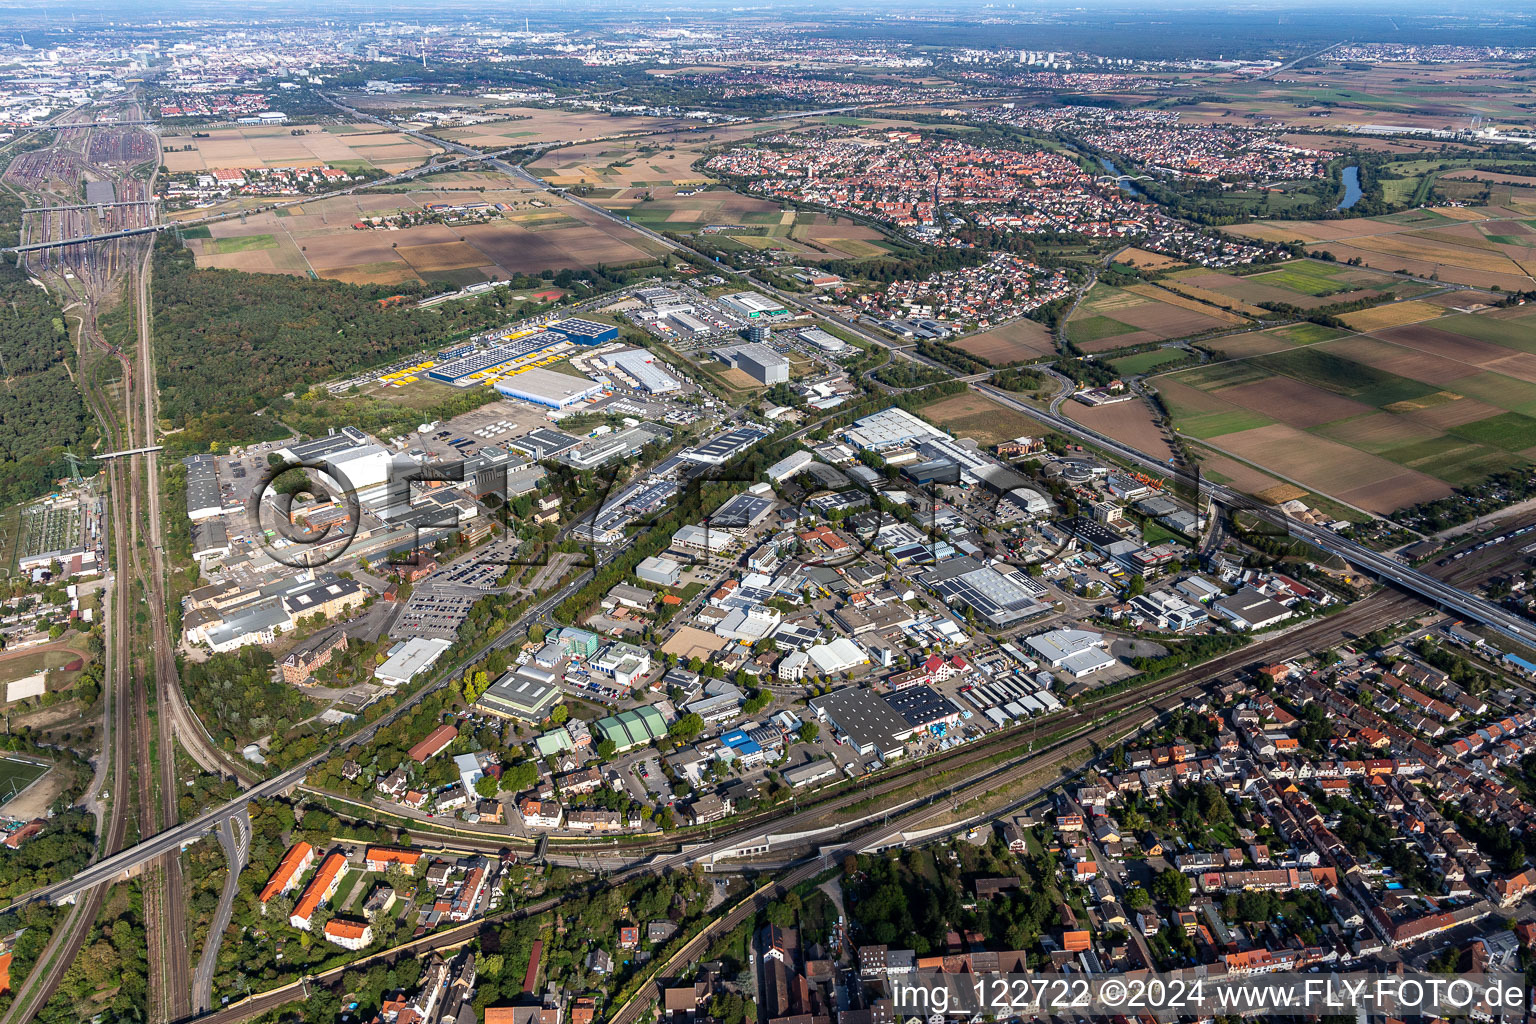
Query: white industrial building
{"x": 548, "y": 388}
{"x": 1077, "y": 652}
{"x": 409, "y": 658}
{"x": 789, "y": 466}
{"x": 642, "y": 368}
{"x": 749, "y": 625}
{"x": 841, "y": 655}
{"x": 1028, "y": 501}
{"x": 888, "y": 429}
{"x": 664, "y": 572}
{"x": 751, "y": 304}
{"x": 831, "y": 344}
{"x": 698, "y": 538}
{"x": 758, "y": 360}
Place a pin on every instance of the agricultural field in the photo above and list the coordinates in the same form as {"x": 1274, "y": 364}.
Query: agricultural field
{"x": 1141, "y": 259}
{"x": 623, "y": 164}
{"x": 531, "y": 231}
{"x": 1379, "y": 419}
{"x": 1111, "y": 318}
{"x": 348, "y": 147}
{"x": 969, "y": 414}
{"x": 1306, "y": 284}
{"x": 1145, "y": 362}
{"x": 1022, "y": 340}
{"x": 734, "y": 221}
{"x": 514, "y": 126}
{"x": 1485, "y": 247}
{"x": 1393, "y": 314}
{"x": 1131, "y": 423}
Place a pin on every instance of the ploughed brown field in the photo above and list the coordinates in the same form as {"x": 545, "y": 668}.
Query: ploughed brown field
{"x": 1018, "y": 341}
{"x": 1131, "y": 423}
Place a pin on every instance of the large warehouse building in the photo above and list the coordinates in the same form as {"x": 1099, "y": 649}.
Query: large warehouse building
{"x": 758, "y": 360}
{"x": 548, "y": 388}
{"x": 642, "y": 368}
{"x": 584, "y": 332}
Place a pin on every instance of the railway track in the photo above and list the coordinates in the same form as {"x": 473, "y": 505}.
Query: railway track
{"x": 120, "y": 714}
{"x": 90, "y": 274}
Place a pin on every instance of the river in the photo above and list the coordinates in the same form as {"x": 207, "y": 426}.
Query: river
{"x": 1352, "y": 191}
{"x": 1125, "y": 186}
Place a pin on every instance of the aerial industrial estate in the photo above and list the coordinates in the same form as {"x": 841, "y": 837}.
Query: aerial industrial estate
{"x": 838, "y": 516}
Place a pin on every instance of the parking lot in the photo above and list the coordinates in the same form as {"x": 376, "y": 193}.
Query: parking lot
{"x": 433, "y": 613}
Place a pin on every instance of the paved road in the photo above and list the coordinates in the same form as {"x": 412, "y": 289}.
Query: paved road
{"x": 235, "y": 837}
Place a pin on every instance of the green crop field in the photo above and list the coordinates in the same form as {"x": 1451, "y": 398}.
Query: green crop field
{"x": 1214, "y": 424}
{"x": 243, "y": 243}
{"x": 1092, "y": 328}
{"x": 1308, "y": 334}
{"x": 1141, "y": 362}
{"x": 1224, "y": 375}
{"x": 1454, "y": 461}
{"x": 1304, "y": 277}
{"x": 1344, "y": 376}
{"x": 1510, "y": 431}
{"x": 1514, "y": 334}
{"x": 1497, "y": 389}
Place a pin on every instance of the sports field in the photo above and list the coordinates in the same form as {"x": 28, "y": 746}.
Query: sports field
{"x": 16, "y": 775}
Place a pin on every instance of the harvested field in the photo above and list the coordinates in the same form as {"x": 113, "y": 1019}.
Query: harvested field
{"x": 1238, "y": 475}
{"x": 1330, "y": 468}
{"x": 1519, "y": 335}
{"x": 322, "y": 239}
{"x": 1293, "y": 402}
{"x": 971, "y": 414}
{"x": 1129, "y": 422}
{"x": 1241, "y": 346}
{"x": 1141, "y": 259}
{"x": 1193, "y": 302}
{"x": 1377, "y": 432}
{"x": 1392, "y": 315}
{"x": 528, "y": 126}
{"x": 261, "y": 146}
{"x": 1422, "y": 365}
{"x": 1111, "y": 318}
{"x": 1485, "y": 355}
{"x": 622, "y": 164}
{"x": 1020, "y": 341}
{"x": 1421, "y": 242}
{"x": 1472, "y": 174}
